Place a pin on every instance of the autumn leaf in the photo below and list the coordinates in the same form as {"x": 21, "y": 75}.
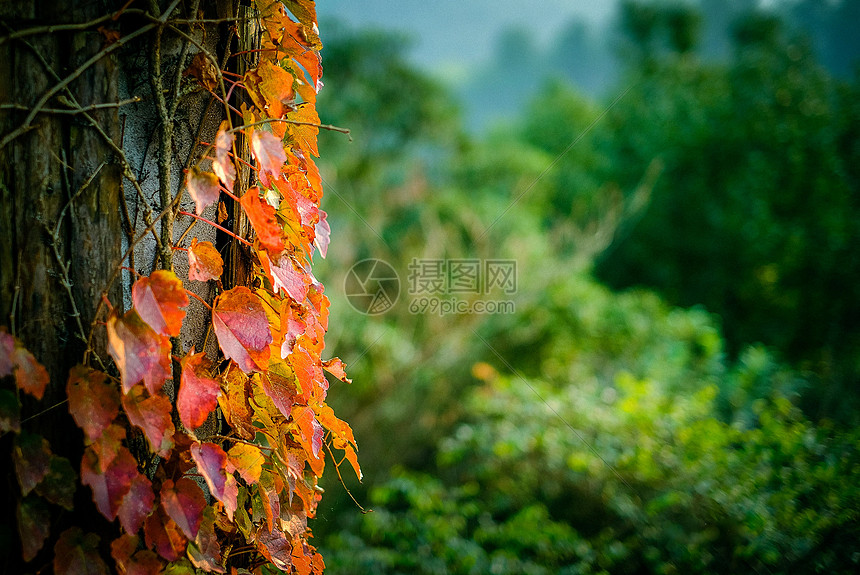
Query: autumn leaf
{"x": 242, "y": 328}
{"x": 268, "y": 491}
{"x": 145, "y": 562}
{"x": 305, "y": 134}
{"x": 205, "y": 552}
{"x": 31, "y": 455}
{"x": 281, "y": 391}
{"x": 284, "y": 276}
{"x": 275, "y": 547}
{"x": 77, "y": 553}
{"x": 109, "y": 487}
{"x": 322, "y": 234}
{"x": 106, "y": 446}
{"x": 222, "y": 165}
{"x": 212, "y": 464}
{"x": 337, "y": 368}
{"x": 93, "y": 400}
{"x": 136, "y": 505}
{"x": 234, "y": 403}
{"x": 270, "y": 88}
{"x": 203, "y": 188}
{"x": 204, "y": 261}
{"x": 292, "y": 326}
{"x": 152, "y": 415}
{"x": 121, "y": 549}
{"x": 159, "y": 300}
{"x": 198, "y": 391}
{"x": 203, "y": 70}
{"x": 269, "y": 153}
{"x": 184, "y": 502}
{"x": 30, "y": 375}
{"x": 248, "y": 461}
{"x": 311, "y": 432}
{"x": 262, "y": 218}
{"x": 163, "y": 534}
{"x": 34, "y": 526}
{"x": 139, "y": 352}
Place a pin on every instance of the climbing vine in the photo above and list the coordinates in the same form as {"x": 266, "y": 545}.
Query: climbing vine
{"x": 203, "y": 459}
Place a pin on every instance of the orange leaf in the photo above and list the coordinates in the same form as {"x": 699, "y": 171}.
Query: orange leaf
{"x": 262, "y": 218}
{"x": 139, "y": 352}
{"x": 337, "y": 368}
{"x": 198, "y": 391}
{"x": 269, "y": 153}
{"x": 271, "y": 88}
{"x": 242, "y": 328}
{"x": 234, "y": 403}
{"x": 204, "y": 261}
{"x": 305, "y": 136}
{"x": 203, "y": 188}
{"x": 223, "y": 166}
{"x": 159, "y": 300}
{"x": 163, "y": 534}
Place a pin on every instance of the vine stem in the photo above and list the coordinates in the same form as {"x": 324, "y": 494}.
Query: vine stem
{"x": 329, "y": 127}
{"x": 200, "y": 299}
{"x": 339, "y": 476}
{"x": 223, "y": 229}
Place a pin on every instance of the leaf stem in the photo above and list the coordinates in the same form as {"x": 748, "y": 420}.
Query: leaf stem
{"x": 213, "y": 224}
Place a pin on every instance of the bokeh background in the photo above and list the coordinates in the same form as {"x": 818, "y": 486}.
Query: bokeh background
{"x": 679, "y": 184}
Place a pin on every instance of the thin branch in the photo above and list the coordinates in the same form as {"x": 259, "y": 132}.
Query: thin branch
{"x": 73, "y": 111}
{"x": 339, "y": 476}
{"x": 223, "y": 229}
{"x": 297, "y": 123}
{"x": 68, "y": 80}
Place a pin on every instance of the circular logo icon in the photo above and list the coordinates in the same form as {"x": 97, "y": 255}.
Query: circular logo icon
{"x": 371, "y": 286}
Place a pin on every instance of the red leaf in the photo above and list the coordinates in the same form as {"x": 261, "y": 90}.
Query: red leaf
{"x": 322, "y": 234}
{"x": 248, "y": 461}
{"x": 204, "y": 262}
{"x": 30, "y": 375}
{"x": 242, "y": 328}
{"x": 109, "y": 488}
{"x": 269, "y": 495}
{"x": 275, "y": 547}
{"x": 198, "y": 391}
{"x": 136, "y": 505}
{"x": 222, "y": 166}
{"x": 159, "y": 299}
{"x": 285, "y": 276}
{"x": 337, "y": 368}
{"x": 152, "y": 415}
{"x": 163, "y": 535}
{"x": 34, "y": 526}
{"x": 144, "y": 562}
{"x": 32, "y": 457}
{"x": 139, "y": 352}
{"x": 262, "y": 218}
{"x": 203, "y": 188}
{"x": 269, "y": 153}
{"x": 212, "y": 463}
{"x": 205, "y": 552}
{"x": 93, "y": 400}
{"x": 121, "y": 549}
{"x": 106, "y": 447}
{"x": 184, "y": 503}
{"x": 77, "y": 553}
{"x": 281, "y": 391}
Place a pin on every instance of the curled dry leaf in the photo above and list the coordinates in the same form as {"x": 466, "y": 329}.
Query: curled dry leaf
{"x": 242, "y": 328}
{"x": 203, "y": 188}
{"x": 140, "y": 353}
{"x": 204, "y": 262}
{"x": 203, "y": 70}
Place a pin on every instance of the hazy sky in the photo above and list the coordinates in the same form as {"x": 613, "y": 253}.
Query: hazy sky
{"x": 451, "y": 33}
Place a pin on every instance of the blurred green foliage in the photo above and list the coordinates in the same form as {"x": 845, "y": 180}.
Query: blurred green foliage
{"x": 696, "y": 416}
